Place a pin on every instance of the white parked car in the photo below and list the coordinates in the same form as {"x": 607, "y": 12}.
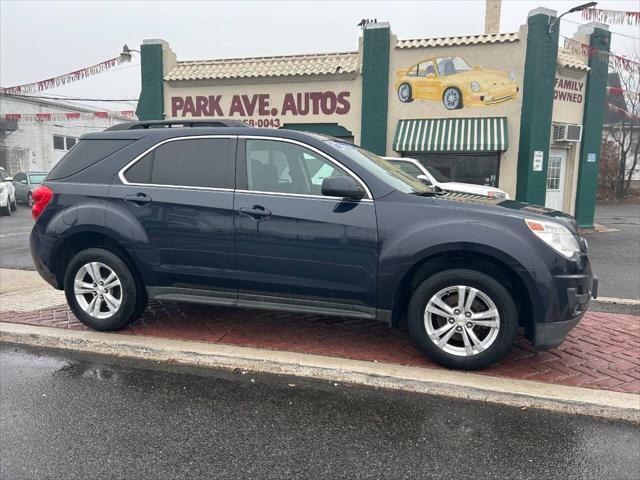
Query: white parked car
{"x": 7, "y": 193}
{"x": 433, "y": 177}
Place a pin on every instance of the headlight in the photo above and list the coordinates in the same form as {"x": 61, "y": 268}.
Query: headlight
{"x": 556, "y": 236}
{"x": 475, "y": 86}
{"x": 512, "y": 76}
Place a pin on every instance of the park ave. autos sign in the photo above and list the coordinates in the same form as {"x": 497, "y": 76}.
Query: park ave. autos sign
{"x": 262, "y": 108}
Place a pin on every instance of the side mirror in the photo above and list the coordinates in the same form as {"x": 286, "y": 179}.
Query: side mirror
{"x": 8, "y": 179}
{"x": 343, "y": 187}
{"x": 424, "y": 179}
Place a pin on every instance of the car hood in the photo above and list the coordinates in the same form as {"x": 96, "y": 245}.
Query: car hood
{"x": 467, "y": 187}
{"x": 508, "y": 207}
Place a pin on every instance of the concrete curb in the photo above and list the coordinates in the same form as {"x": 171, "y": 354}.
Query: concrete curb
{"x": 519, "y": 393}
{"x": 617, "y": 301}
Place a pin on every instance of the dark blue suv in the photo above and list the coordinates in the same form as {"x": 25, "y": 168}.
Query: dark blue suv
{"x": 223, "y": 214}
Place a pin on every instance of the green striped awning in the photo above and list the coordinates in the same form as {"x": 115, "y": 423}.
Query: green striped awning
{"x": 451, "y": 135}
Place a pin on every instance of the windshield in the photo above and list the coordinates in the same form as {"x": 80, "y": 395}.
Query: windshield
{"x": 37, "y": 178}
{"x": 381, "y": 168}
{"x": 452, "y": 65}
{"x": 440, "y": 177}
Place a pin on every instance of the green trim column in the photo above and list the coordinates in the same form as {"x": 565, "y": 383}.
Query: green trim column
{"x": 151, "y": 101}
{"x": 537, "y": 105}
{"x": 375, "y": 87}
{"x": 592, "y": 128}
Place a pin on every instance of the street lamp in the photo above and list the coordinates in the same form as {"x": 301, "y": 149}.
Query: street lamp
{"x": 579, "y": 8}
{"x": 126, "y": 53}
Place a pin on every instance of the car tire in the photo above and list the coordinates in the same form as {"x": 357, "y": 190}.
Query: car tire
{"x": 6, "y": 211}
{"x": 462, "y": 351}
{"x": 30, "y": 200}
{"x": 405, "y": 93}
{"x": 114, "y": 306}
{"x": 452, "y": 98}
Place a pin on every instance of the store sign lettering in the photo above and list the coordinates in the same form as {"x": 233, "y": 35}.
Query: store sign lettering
{"x": 261, "y": 105}
{"x": 568, "y": 90}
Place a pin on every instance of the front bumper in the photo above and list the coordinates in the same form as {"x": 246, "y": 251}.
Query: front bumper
{"x": 574, "y": 294}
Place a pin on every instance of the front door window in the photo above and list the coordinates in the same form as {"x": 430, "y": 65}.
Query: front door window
{"x": 282, "y": 167}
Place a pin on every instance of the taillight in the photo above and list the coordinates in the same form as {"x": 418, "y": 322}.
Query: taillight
{"x": 41, "y": 197}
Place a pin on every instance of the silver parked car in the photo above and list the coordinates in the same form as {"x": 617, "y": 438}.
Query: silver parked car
{"x": 25, "y": 183}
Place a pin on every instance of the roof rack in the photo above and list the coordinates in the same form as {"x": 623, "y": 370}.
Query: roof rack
{"x": 175, "y": 123}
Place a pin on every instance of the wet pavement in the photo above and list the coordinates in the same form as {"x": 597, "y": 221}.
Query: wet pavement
{"x": 70, "y": 415}
{"x": 615, "y": 256}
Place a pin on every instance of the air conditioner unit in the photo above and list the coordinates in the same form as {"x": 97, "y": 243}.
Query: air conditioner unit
{"x": 566, "y": 132}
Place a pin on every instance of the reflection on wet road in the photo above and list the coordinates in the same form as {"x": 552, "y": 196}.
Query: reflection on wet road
{"x": 67, "y": 415}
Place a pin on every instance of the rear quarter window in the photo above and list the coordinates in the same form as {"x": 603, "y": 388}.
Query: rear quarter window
{"x": 84, "y": 154}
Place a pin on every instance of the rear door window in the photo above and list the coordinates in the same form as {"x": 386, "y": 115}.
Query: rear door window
{"x": 198, "y": 162}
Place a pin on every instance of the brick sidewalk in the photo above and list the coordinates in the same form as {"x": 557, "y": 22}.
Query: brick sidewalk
{"x": 603, "y": 352}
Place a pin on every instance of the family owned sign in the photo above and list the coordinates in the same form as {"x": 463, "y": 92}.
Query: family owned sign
{"x": 261, "y": 105}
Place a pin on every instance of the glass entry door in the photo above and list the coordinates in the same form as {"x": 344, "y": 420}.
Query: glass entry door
{"x": 555, "y": 179}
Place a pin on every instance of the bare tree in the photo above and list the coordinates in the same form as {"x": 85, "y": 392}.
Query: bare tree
{"x": 624, "y": 134}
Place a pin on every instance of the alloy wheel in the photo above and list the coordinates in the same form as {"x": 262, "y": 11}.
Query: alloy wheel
{"x": 98, "y": 290}
{"x": 462, "y": 320}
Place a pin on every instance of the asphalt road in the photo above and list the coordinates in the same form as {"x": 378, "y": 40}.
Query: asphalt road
{"x": 615, "y": 255}
{"x": 14, "y": 239}
{"x": 70, "y": 415}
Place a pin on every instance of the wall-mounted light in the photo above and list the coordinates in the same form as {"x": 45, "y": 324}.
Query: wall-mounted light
{"x": 579, "y": 8}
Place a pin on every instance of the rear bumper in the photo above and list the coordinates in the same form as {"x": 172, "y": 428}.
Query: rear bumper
{"x": 41, "y": 246}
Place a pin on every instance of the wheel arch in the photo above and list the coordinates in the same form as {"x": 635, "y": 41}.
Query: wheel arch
{"x": 83, "y": 239}
{"x": 479, "y": 258}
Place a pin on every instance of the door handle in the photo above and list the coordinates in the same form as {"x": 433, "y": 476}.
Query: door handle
{"x": 257, "y": 212}
{"x": 139, "y": 198}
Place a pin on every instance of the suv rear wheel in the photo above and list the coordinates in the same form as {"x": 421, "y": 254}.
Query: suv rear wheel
{"x": 463, "y": 319}
{"x": 102, "y": 291}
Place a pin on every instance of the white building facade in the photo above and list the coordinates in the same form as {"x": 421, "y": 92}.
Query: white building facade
{"x": 31, "y": 139}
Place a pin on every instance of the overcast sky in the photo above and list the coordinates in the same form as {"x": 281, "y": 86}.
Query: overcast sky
{"x": 39, "y": 40}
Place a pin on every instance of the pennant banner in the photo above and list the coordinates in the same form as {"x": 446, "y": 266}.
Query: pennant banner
{"x": 66, "y": 78}
{"x": 612, "y": 17}
{"x": 615, "y": 61}
{"x": 622, "y": 111}
{"x": 622, "y": 91}
{"x": 62, "y": 117}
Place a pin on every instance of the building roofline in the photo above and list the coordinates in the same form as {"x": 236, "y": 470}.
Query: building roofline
{"x": 51, "y": 103}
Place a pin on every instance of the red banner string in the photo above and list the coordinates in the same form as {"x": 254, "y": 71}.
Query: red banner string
{"x": 65, "y": 78}
{"x": 616, "y": 61}
{"x": 615, "y": 17}
{"x": 61, "y": 117}
{"x": 622, "y": 111}
{"x": 622, "y": 91}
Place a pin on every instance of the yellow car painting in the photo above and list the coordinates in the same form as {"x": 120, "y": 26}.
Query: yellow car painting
{"x": 453, "y": 81}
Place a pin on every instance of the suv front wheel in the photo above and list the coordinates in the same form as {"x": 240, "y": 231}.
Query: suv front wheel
{"x": 463, "y": 319}
{"x": 102, "y": 291}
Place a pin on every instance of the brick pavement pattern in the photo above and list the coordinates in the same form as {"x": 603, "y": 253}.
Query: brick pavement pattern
{"x": 603, "y": 352}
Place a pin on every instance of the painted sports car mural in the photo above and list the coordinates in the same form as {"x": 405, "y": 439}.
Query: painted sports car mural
{"x": 455, "y": 83}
